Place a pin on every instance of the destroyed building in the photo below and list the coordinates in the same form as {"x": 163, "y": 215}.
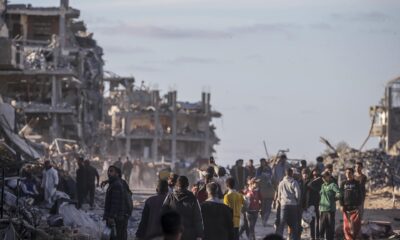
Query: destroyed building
{"x": 51, "y": 70}
{"x": 386, "y": 119}
{"x": 147, "y": 126}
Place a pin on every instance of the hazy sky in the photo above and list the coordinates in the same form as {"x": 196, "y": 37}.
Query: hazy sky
{"x": 283, "y": 71}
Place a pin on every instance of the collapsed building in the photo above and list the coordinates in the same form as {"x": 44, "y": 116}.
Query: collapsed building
{"x": 150, "y": 127}
{"x": 385, "y": 119}
{"x": 51, "y": 70}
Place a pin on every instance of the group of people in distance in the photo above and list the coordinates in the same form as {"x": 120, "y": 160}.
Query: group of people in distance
{"x": 223, "y": 207}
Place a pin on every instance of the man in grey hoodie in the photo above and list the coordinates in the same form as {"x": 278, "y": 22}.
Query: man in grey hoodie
{"x": 289, "y": 199}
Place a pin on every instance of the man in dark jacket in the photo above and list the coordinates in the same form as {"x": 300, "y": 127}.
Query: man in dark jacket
{"x": 115, "y": 209}
{"x": 81, "y": 182}
{"x": 239, "y": 173}
{"x": 91, "y": 177}
{"x": 149, "y": 225}
{"x": 350, "y": 202}
{"x": 186, "y": 204}
{"x": 312, "y": 199}
{"x": 217, "y": 216}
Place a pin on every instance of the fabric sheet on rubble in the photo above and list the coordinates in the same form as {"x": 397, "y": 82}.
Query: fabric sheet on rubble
{"x": 78, "y": 219}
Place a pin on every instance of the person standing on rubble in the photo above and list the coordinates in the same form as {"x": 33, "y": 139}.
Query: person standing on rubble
{"x": 239, "y": 173}
{"x": 185, "y": 203}
{"x": 49, "y": 182}
{"x": 127, "y": 170}
{"x": 115, "y": 209}
{"x": 149, "y": 225}
{"x": 362, "y": 179}
{"x": 81, "y": 182}
{"x": 350, "y": 202}
{"x": 327, "y": 206}
{"x": 92, "y": 175}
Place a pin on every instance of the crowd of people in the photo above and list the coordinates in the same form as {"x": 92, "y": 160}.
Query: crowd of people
{"x": 226, "y": 205}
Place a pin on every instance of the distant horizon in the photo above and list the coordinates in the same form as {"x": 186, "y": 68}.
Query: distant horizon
{"x": 282, "y": 71}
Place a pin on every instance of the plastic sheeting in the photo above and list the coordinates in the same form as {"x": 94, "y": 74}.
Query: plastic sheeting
{"x": 78, "y": 219}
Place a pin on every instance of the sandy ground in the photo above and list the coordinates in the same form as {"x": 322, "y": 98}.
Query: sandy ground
{"x": 379, "y": 207}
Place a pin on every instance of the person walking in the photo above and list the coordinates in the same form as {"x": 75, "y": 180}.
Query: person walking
{"x": 253, "y": 196}
{"x": 264, "y": 174}
{"x": 327, "y": 206}
{"x": 149, "y": 225}
{"x": 185, "y": 203}
{"x": 81, "y": 182}
{"x": 127, "y": 170}
{"x": 350, "y": 202}
{"x": 235, "y": 201}
{"x": 116, "y": 212}
{"x": 92, "y": 176}
{"x": 278, "y": 173}
{"x": 289, "y": 199}
{"x": 217, "y": 217}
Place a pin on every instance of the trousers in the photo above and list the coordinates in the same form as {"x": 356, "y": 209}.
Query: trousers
{"x": 351, "y": 224}
{"x": 289, "y": 216}
{"x": 327, "y": 225}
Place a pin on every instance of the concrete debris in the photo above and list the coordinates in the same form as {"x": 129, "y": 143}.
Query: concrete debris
{"x": 372, "y": 230}
{"x": 381, "y": 168}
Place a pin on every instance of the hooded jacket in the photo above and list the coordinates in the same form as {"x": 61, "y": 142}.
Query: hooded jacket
{"x": 186, "y": 204}
{"x": 289, "y": 191}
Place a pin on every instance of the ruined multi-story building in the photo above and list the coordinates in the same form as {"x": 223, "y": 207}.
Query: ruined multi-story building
{"x": 51, "y": 71}
{"x": 386, "y": 118}
{"x": 147, "y": 126}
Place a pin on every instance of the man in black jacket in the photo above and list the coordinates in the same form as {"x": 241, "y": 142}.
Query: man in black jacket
{"x": 217, "y": 216}
{"x": 312, "y": 199}
{"x": 149, "y": 225}
{"x": 186, "y": 204}
{"x": 115, "y": 209}
{"x": 350, "y": 203}
{"x": 92, "y": 175}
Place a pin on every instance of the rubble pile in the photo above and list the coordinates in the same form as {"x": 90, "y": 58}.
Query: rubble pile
{"x": 381, "y": 169}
